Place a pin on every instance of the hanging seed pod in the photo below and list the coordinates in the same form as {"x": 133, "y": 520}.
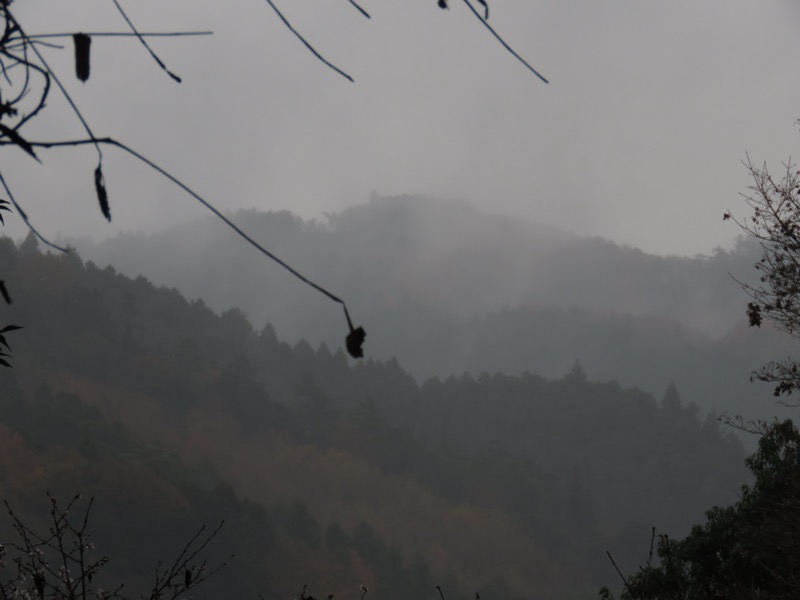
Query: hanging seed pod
{"x": 82, "y": 45}
{"x": 354, "y": 342}
{"x": 4, "y": 292}
{"x": 102, "y": 194}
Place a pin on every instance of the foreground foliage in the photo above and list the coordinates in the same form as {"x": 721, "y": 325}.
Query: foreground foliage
{"x": 746, "y": 551}
{"x": 62, "y": 562}
{"x": 775, "y": 224}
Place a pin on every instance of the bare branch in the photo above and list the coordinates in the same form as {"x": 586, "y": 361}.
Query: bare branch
{"x": 754, "y": 427}
{"x": 159, "y": 62}
{"x": 361, "y": 10}
{"x": 485, "y": 23}
{"x": 775, "y": 223}
{"x": 306, "y": 44}
{"x": 25, "y": 218}
{"x": 356, "y": 334}
{"x": 624, "y": 580}
{"x": 58, "y": 564}
{"x": 121, "y": 34}
{"x": 51, "y": 74}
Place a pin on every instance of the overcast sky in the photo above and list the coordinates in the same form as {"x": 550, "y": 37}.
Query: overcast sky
{"x": 638, "y": 137}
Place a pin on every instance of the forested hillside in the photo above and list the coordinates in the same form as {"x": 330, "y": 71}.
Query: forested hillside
{"x": 445, "y": 289}
{"x": 328, "y": 472}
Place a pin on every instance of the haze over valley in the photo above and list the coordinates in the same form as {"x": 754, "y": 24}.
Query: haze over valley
{"x": 446, "y": 288}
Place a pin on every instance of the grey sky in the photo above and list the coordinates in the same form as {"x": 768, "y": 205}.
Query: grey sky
{"x": 638, "y": 137}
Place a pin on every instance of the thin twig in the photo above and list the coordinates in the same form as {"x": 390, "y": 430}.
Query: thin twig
{"x": 22, "y": 61}
{"x": 502, "y": 41}
{"x": 144, "y": 43}
{"x": 121, "y": 34}
{"x": 25, "y": 218}
{"x": 112, "y": 142}
{"x": 652, "y": 545}
{"x": 624, "y": 581}
{"x": 306, "y": 44}
{"x": 22, "y": 44}
{"x": 361, "y": 10}
{"x": 51, "y": 73}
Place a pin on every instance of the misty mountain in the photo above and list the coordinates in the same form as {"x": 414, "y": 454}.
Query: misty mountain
{"x": 446, "y": 288}
{"x": 331, "y": 470}
{"x": 442, "y": 255}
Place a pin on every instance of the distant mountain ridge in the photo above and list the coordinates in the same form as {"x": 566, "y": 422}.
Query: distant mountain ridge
{"x": 447, "y": 288}
{"x": 443, "y": 255}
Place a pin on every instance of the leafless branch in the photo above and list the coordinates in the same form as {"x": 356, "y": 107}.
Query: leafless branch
{"x": 50, "y": 74}
{"x": 775, "y": 223}
{"x": 361, "y": 10}
{"x": 58, "y": 564}
{"x": 112, "y": 142}
{"x": 185, "y": 573}
{"x": 159, "y": 62}
{"x": 754, "y": 427}
{"x": 307, "y": 44}
{"x": 122, "y": 34}
{"x": 24, "y": 215}
{"x": 499, "y": 38}
{"x": 624, "y": 580}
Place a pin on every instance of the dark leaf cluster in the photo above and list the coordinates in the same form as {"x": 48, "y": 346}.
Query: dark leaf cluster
{"x": 775, "y": 224}
{"x": 5, "y": 349}
{"x": 748, "y": 550}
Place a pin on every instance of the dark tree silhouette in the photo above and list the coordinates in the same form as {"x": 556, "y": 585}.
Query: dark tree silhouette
{"x": 775, "y": 223}
{"x": 748, "y": 550}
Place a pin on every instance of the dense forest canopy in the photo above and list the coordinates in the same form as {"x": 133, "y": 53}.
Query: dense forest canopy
{"x": 446, "y": 288}
{"x": 327, "y": 472}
